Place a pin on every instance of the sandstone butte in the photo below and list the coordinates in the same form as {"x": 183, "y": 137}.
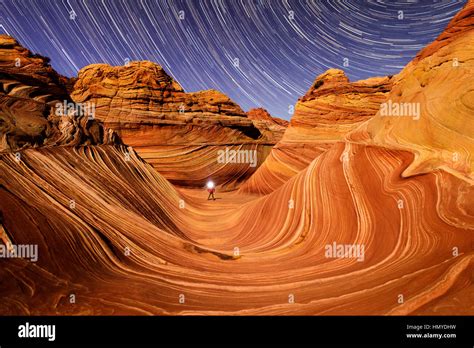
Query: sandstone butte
{"x": 249, "y": 254}
{"x": 179, "y": 133}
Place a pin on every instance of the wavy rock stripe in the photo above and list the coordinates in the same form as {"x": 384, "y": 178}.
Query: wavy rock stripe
{"x": 439, "y": 82}
{"x": 119, "y": 236}
{"x": 191, "y": 250}
{"x": 283, "y": 162}
{"x": 167, "y": 126}
{"x": 202, "y": 163}
{"x": 332, "y": 107}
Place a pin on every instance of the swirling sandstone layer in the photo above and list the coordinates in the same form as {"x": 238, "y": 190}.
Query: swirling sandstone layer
{"x": 331, "y": 108}
{"x": 120, "y": 237}
{"x": 438, "y": 84}
{"x": 179, "y": 133}
{"x": 29, "y": 92}
{"x": 131, "y": 248}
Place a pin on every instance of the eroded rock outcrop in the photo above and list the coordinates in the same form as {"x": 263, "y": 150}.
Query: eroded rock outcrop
{"x": 332, "y": 107}
{"x": 29, "y": 92}
{"x": 271, "y": 127}
{"x": 431, "y": 106}
{"x": 260, "y": 114}
{"x": 181, "y": 134}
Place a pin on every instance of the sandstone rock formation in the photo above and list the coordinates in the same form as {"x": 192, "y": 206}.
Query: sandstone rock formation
{"x": 260, "y": 114}
{"x": 349, "y": 195}
{"x": 179, "y": 133}
{"x": 29, "y": 92}
{"x": 270, "y": 127}
{"x": 438, "y": 82}
{"x": 113, "y": 231}
{"x": 332, "y": 107}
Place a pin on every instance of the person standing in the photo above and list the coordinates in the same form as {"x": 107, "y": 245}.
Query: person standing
{"x": 211, "y": 189}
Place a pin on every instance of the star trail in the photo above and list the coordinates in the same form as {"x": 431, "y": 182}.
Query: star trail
{"x": 260, "y": 53}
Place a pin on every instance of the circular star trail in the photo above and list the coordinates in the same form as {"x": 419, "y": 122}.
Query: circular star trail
{"x": 260, "y": 53}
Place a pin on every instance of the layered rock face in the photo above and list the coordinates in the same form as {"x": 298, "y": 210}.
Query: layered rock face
{"x": 181, "y": 134}
{"x": 430, "y": 108}
{"x": 349, "y": 234}
{"x": 332, "y": 107}
{"x": 270, "y": 127}
{"x": 350, "y": 196}
{"x": 29, "y": 92}
{"x": 260, "y": 114}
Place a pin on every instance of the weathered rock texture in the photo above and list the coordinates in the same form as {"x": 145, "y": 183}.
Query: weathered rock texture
{"x": 260, "y": 114}
{"x": 191, "y": 251}
{"x": 179, "y": 133}
{"x": 331, "y": 108}
{"x": 440, "y": 81}
{"x": 29, "y": 91}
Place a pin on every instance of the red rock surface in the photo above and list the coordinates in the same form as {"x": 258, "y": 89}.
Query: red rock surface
{"x": 134, "y": 244}
{"x": 332, "y": 107}
{"x": 29, "y": 91}
{"x": 270, "y": 127}
{"x": 439, "y": 82}
{"x": 260, "y": 114}
{"x": 179, "y": 133}
{"x": 191, "y": 251}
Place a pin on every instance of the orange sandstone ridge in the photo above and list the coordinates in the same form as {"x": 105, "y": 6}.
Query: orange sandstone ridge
{"x": 332, "y": 107}
{"x": 270, "y": 127}
{"x": 181, "y": 134}
{"x": 438, "y": 84}
{"x": 260, "y": 114}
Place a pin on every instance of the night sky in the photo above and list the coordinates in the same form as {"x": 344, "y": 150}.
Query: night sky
{"x": 281, "y": 46}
